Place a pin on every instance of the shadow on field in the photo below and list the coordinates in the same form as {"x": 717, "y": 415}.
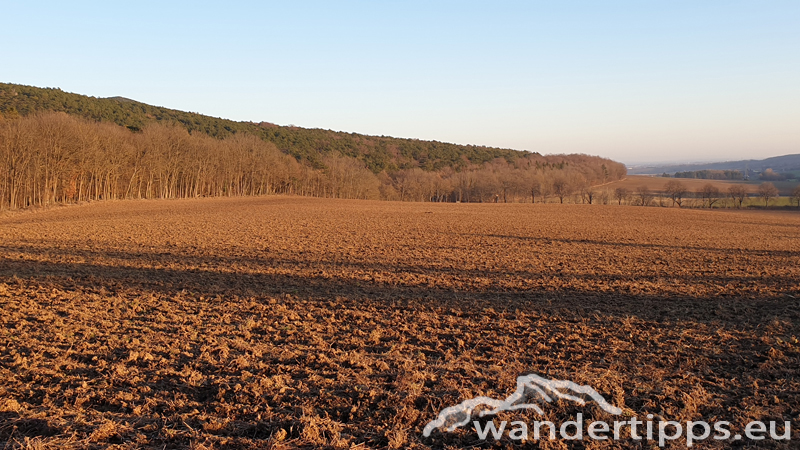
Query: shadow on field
{"x": 12, "y": 426}
{"x": 339, "y": 356}
{"x": 250, "y": 277}
{"x": 741, "y": 251}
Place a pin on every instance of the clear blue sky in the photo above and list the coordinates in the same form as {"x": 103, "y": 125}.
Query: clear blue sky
{"x": 632, "y": 80}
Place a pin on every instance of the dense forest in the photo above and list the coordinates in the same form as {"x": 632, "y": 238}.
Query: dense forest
{"x": 711, "y": 174}
{"x": 310, "y": 145}
{"x": 59, "y": 148}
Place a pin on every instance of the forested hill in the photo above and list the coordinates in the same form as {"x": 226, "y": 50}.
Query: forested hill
{"x": 57, "y": 147}
{"x": 311, "y": 145}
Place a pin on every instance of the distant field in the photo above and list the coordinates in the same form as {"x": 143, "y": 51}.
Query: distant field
{"x": 286, "y": 322}
{"x": 632, "y": 182}
{"x": 655, "y": 183}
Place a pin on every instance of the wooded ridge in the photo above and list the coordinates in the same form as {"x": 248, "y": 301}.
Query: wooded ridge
{"x": 57, "y": 147}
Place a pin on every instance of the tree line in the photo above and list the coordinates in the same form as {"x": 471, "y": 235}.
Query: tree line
{"x": 708, "y": 195}
{"x": 711, "y": 174}
{"x": 49, "y": 158}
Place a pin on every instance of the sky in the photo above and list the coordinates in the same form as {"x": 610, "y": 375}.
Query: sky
{"x": 635, "y": 81}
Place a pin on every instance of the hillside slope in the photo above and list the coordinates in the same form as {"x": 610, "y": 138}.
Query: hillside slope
{"x": 57, "y": 147}
{"x": 312, "y": 145}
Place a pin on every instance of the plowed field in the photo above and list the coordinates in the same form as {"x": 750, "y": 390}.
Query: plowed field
{"x": 287, "y": 322}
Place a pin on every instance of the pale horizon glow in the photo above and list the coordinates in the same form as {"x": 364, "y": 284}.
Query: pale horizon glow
{"x": 636, "y": 82}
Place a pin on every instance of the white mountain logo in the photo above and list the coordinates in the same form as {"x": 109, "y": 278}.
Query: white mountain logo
{"x": 527, "y": 386}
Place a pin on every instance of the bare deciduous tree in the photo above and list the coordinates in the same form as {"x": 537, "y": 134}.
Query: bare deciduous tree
{"x": 621, "y": 194}
{"x": 737, "y": 193}
{"x": 767, "y": 191}
{"x": 536, "y": 190}
{"x": 644, "y": 195}
{"x": 603, "y": 197}
{"x": 561, "y": 188}
{"x": 710, "y": 194}
{"x": 676, "y": 191}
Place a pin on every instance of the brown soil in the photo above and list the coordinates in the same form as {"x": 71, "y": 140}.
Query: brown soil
{"x": 289, "y": 322}
{"x": 656, "y": 184}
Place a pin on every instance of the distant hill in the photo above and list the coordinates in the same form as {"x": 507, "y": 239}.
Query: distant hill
{"x": 748, "y": 167}
{"x": 311, "y": 145}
